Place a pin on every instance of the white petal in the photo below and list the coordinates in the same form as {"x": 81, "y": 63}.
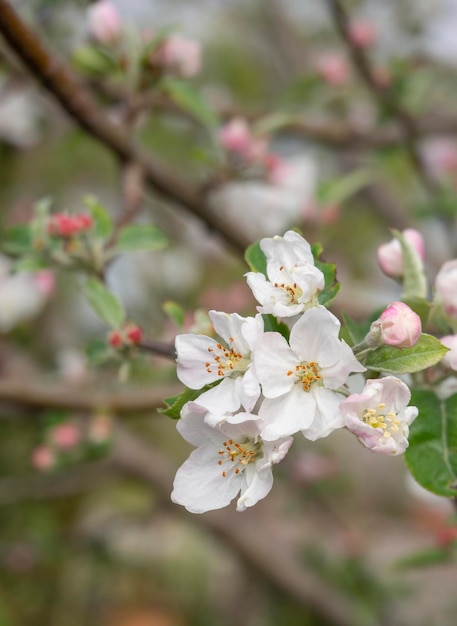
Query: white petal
{"x": 327, "y": 417}
{"x": 225, "y": 397}
{"x": 228, "y": 326}
{"x": 250, "y": 390}
{"x": 287, "y": 414}
{"x": 273, "y": 360}
{"x": 258, "y": 485}
{"x": 192, "y": 351}
{"x": 199, "y": 484}
{"x": 315, "y": 336}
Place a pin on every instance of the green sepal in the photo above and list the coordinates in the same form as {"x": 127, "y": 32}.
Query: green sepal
{"x": 426, "y": 352}
{"x": 414, "y": 279}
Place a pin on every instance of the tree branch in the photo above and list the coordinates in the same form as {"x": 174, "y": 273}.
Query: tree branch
{"x": 382, "y": 94}
{"x": 78, "y": 102}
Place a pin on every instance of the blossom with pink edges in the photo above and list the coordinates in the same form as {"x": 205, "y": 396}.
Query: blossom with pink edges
{"x": 333, "y": 69}
{"x": 104, "y": 22}
{"x": 446, "y": 288}
{"x": 399, "y": 325}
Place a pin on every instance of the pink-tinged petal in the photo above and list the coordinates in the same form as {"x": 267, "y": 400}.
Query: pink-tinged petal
{"x": 327, "y": 416}
{"x": 258, "y": 485}
{"x": 274, "y": 363}
{"x": 193, "y": 354}
{"x": 287, "y": 414}
{"x": 199, "y": 484}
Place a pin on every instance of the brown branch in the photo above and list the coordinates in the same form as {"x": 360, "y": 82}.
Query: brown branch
{"x": 244, "y": 532}
{"x": 78, "y": 102}
{"x": 382, "y": 94}
{"x": 47, "y": 395}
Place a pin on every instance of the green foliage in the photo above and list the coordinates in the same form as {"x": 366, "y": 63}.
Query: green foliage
{"x": 332, "y": 286}
{"x": 426, "y": 352}
{"x": 354, "y": 332}
{"x": 271, "y": 324}
{"x": 105, "y": 304}
{"x": 18, "y": 240}
{"x": 176, "y": 403}
{"x": 102, "y": 223}
{"x": 414, "y": 279}
{"x": 175, "y": 312}
{"x": 140, "y": 238}
{"x": 255, "y": 258}
{"x": 432, "y": 452}
{"x": 187, "y": 97}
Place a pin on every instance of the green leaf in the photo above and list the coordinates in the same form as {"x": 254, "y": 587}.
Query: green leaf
{"x": 105, "y": 304}
{"x": 425, "y": 558}
{"x": 187, "y": 97}
{"x": 271, "y": 324}
{"x": 432, "y": 452}
{"x": 18, "y": 240}
{"x": 421, "y": 306}
{"x": 356, "y": 331}
{"x": 175, "y": 312}
{"x": 255, "y": 258}
{"x": 332, "y": 286}
{"x": 103, "y": 224}
{"x": 426, "y": 352}
{"x": 93, "y": 61}
{"x": 175, "y": 404}
{"x": 140, "y": 238}
{"x": 336, "y": 191}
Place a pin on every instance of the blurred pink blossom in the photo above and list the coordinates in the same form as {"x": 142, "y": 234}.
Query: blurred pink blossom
{"x": 450, "y": 358}
{"x": 181, "y": 55}
{"x": 45, "y": 281}
{"x": 104, "y": 22}
{"x": 333, "y": 69}
{"x": 440, "y": 156}
{"x": 65, "y": 436}
{"x": 43, "y": 458}
{"x": 363, "y": 33}
{"x": 446, "y": 287}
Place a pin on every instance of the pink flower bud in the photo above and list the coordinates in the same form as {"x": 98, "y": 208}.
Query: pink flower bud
{"x": 446, "y": 288}
{"x": 363, "y": 33}
{"x": 235, "y": 136}
{"x": 450, "y": 358}
{"x": 181, "y": 55}
{"x": 440, "y": 156}
{"x": 390, "y": 255}
{"x": 133, "y": 334}
{"x": 65, "y": 436}
{"x": 45, "y": 281}
{"x": 399, "y": 325}
{"x": 104, "y": 22}
{"x": 115, "y": 339}
{"x": 278, "y": 169}
{"x": 333, "y": 69}
{"x": 43, "y": 458}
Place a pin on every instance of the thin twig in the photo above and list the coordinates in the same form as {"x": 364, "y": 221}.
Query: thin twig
{"x": 55, "y": 395}
{"x": 383, "y": 95}
{"x": 77, "y": 101}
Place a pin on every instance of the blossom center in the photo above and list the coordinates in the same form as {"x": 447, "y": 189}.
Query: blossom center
{"x": 226, "y": 361}
{"x": 293, "y": 291}
{"x": 239, "y": 454}
{"x": 378, "y": 418}
{"x": 307, "y": 373}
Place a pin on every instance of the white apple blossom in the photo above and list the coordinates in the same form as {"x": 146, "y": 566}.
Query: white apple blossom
{"x": 230, "y": 458}
{"x": 202, "y": 360}
{"x": 379, "y": 416}
{"x": 293, "y": 282}
{"x": 299, "y": 381}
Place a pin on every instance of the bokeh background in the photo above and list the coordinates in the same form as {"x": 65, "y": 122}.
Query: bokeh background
{"x": 88, "y": 536}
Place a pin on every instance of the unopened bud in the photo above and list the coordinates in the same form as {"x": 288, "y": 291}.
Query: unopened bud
{"x": 390, "y": 255}
{"x": 115, "y": 339}
{"x": 446, "y": 288}
{"x": 134, "y": 334}
{"x": 399, "y": 326}
{"x": 333, "y": 69}
{"x": 362, "y": 33}
{"x": 450, "y": 358}
{"x": 104, "y": 22}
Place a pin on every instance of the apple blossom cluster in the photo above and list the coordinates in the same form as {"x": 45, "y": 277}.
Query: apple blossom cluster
{"x": 261, "y": 380}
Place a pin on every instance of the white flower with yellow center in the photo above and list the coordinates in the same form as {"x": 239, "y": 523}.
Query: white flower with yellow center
{"x": 230, "y": 458}
{"x": 293, "y": 282}
{"x": 300, "y": 380}
{"x": 379, "y": 416}
{"x": 202, "y": 360}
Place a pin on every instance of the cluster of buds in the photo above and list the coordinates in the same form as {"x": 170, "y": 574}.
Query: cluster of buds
{"x": 66, "y": 226}
{"x": 129, "y": 335}
{"x": 246, "y": 149}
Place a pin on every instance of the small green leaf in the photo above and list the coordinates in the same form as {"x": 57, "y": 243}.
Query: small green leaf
{"x": 184, "y": 94}
{"x": 140, "y": 238}
{"x": 18, "y": 240}
{"x": 271, "y": 324}
{"x": 425, "y": 558}
{"x": 103, "y": 224}
{"x": 337, "y": 190}
{"x": 426, "y": 352}
{"x": 332, "y": 286}
{"x": 93, "y": 61}
{"x": 175, "y": 312}
{"x": 255, "y": 258}
{"x": 176, "y": 403}
{"x": 356, "y": 331}
{"x": 432, "y": 452}
{"x": 105, "y": 304}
